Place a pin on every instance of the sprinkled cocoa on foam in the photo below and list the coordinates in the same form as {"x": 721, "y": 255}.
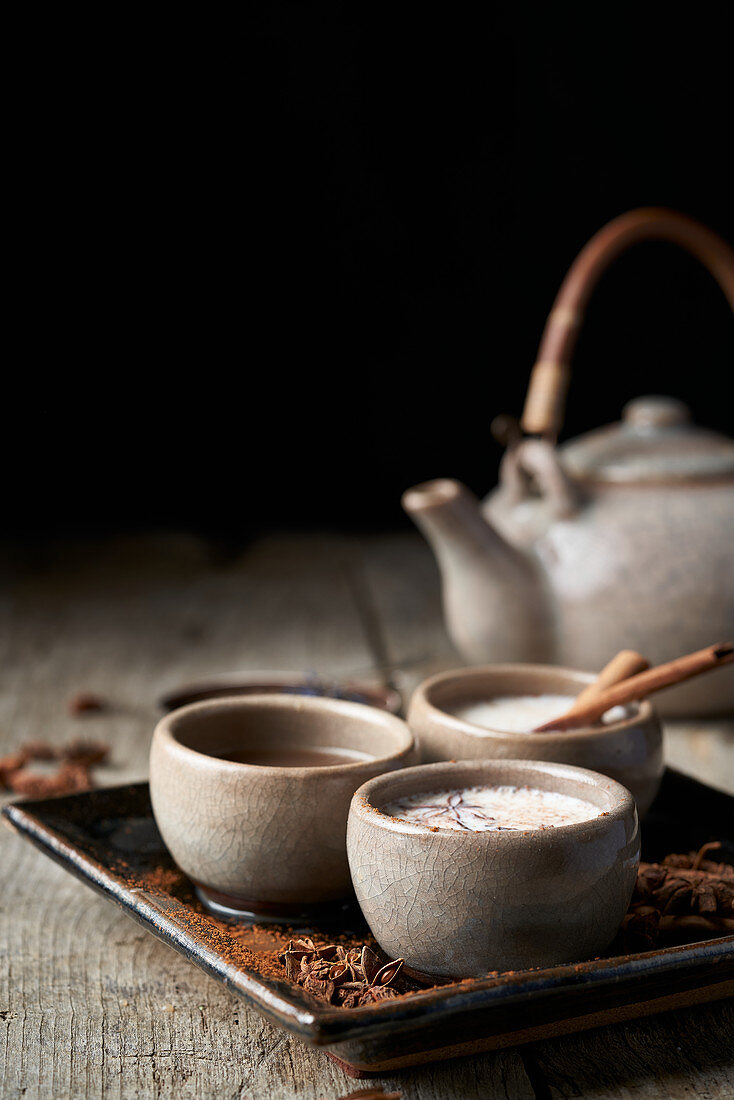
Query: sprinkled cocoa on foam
{"x": 488, "y": 809}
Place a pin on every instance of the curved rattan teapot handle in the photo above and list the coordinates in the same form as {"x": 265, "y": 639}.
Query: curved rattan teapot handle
{"x": 546, "y": 397}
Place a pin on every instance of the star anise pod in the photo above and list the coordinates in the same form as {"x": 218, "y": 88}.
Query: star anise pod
{"x": 370, "y": 994}
{"x": 374, "y": 993}
{"x": 303, "y": 949}
{"x": 695, "y": 861}
{"x": 333, "y": 973}
{"x": 368, "y": 965}
{"x": 643, "y": 923}
{"x": 387, "y": 974}
{"x": 686, "y": 896}
{"x": 339, "y": 973}
{"x": 318, "y": 987}
{"x": 676, "y": 889}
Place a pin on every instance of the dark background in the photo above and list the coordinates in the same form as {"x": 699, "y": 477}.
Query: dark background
{"x": 271, "y": 275}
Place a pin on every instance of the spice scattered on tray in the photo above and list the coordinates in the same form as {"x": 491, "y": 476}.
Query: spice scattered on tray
{"x": 342, "y": 976}
{"x": 683, "y": 899}
{"x": 348, "y": 970}
{"x": 345, "y": 971}
{"x": 72, "y": 774}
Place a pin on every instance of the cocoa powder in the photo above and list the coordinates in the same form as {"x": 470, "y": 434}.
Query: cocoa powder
{"x": 252, "y": 947}
{"x": 257, "y": 947}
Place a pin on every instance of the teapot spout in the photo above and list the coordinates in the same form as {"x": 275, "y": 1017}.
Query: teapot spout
{"x": 494, "y": 599}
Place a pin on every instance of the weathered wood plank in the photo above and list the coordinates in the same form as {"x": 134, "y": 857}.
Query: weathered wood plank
{"x": 671, "y": 1057}
{"x": 400, "y": 577}
{"x": 129, "y": 620}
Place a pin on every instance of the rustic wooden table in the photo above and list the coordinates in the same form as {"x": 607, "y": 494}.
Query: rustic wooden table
{"x": 92, "y": 1005}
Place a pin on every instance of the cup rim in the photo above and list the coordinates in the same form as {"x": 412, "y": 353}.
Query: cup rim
{"x": 164, "y": 731}
{"x": 363, "y": 806}
{"x": 422, "y": 693}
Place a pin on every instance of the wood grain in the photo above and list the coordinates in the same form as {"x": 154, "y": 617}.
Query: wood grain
{"x": 91, "y": 1005}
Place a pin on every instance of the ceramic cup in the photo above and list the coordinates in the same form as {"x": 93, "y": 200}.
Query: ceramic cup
{"x": 630, "y": 750}
{"x": 267, "y": 840}
{"x": 460, "y": 904}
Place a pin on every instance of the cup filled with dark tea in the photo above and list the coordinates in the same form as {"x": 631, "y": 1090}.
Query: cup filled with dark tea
{"x": 251, "y": 796}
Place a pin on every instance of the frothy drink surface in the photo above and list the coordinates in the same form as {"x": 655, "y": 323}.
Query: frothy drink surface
{"x": 522, "y": 713}
{"x": 489, "y": 809}
{"x": 320, "y": 756}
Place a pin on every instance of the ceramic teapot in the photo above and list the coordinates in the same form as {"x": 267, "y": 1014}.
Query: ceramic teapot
{"x": 622, "y": 538}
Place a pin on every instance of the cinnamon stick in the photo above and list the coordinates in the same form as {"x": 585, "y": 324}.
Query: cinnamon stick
{"x": 626, "y": 663}
{"x": 645, "y": 683}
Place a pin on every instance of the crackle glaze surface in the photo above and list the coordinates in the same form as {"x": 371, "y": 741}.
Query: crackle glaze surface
{"x": 267, "y": 835}
{"x": 651, "y": 570}
{"x": 461, "y": 904}
{"x": 630, "y": 751}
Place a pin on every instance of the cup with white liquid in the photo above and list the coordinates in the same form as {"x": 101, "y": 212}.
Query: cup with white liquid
{"x": 489, "y": 713}
{"x": 462, "y": 868}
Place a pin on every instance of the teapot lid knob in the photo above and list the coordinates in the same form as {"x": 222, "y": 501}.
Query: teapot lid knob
{"x": 656, "y": 442}
{"x": 655, "y": 412}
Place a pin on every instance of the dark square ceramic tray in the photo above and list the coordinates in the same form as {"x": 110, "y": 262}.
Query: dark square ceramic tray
{"x": 108, "y": 839}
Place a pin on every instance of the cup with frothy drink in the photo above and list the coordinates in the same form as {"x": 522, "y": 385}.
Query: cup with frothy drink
{"x": 489, "y": 713}
{"x": 251, "y": 795}
{"x": 466, "y": 867}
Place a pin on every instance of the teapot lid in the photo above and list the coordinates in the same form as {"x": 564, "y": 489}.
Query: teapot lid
{"x": 654, "y": 441}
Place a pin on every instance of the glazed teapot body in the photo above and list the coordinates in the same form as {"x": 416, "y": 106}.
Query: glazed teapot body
{"x": 623, "y": 538}
{"x": 647, "y": 565}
